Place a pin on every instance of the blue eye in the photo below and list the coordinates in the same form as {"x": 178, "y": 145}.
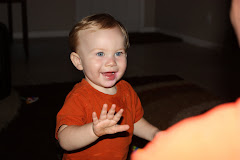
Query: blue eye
{"x": 100, "y": 54}
{"x": 118, "y": 53}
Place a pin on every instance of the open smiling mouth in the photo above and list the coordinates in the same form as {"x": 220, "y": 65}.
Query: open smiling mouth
{"x": 110, "y": 75}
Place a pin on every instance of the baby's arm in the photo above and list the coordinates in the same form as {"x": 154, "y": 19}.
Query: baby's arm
{"x": 75, "y": 137}
{"x": 145, "y": 130}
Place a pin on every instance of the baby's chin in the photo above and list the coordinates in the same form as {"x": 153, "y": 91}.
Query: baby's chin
{"x": 109, "y": 84}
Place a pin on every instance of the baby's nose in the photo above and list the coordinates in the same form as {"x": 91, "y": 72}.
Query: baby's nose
{"x": 111, "y": 62}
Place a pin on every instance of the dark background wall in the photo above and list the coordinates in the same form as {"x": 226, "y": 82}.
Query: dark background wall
{"x": 204, "y": 23}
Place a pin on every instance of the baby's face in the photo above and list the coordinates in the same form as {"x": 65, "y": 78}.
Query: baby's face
{"x": 103, "y": 57}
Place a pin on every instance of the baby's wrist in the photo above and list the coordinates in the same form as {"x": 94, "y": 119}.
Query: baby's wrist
{"x": 94, "y": 133}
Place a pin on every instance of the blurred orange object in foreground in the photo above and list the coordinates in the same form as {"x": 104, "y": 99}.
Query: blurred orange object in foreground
{"x": 214, "y": 135}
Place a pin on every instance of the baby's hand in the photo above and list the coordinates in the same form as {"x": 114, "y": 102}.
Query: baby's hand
{"x": 107, "y": 122}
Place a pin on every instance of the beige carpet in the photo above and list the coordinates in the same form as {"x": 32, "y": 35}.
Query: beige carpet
{"x": 166, "y": 103}
{"x": 169, "y": 102}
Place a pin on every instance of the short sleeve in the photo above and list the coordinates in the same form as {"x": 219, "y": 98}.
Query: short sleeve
{"x": 72, "y": 113}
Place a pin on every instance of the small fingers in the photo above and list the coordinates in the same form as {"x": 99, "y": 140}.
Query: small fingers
{"x": 103, "y": 114}
{"x": 121, "y": 128}
{"x": 111, "y": 112}
{"x": 110, "y": 115}
{"x": 118, "y": 115}
{"x": 94, "y": 117}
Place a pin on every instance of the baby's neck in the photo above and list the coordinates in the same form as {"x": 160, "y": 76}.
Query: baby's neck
{"x": 110, "y": 91}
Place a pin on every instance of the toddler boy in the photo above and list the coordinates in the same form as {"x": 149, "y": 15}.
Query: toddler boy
{"x": 99, "y": 44}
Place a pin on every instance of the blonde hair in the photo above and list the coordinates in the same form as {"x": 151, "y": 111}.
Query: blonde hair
{"x": 99, "y": 21}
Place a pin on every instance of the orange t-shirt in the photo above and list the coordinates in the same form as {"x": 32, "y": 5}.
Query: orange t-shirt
{"x": 79, "y": 105}
{"x": 214, "y": 135}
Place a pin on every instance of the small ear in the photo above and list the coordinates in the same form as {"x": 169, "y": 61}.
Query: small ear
{"x": 76, "y": 60}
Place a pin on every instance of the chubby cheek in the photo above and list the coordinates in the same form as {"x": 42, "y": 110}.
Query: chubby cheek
{"x": 92, "y": 66}
{"x": 122, "y": 64}
{"x": 96, "y": 64}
